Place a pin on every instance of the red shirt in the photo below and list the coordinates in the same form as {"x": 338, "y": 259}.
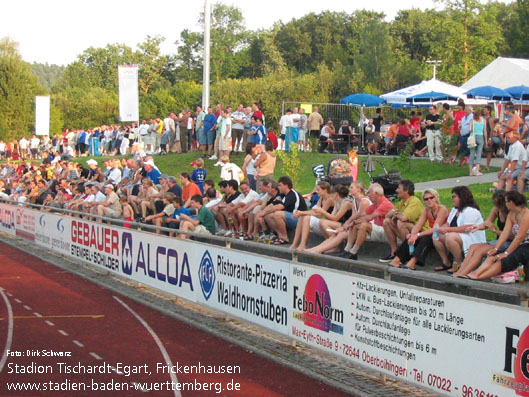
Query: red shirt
{"x": 414, "y": 121}
{"x": 381, "y": 208}
{"x": 458, "y": 115}
{"x": 258, "y": 114}
{"x": 190, "y": 190}
{"x": 404, "y": 130}
{"x": 272, "y": 137}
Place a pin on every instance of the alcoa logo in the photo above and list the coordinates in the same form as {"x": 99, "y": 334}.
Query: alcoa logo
{"x": 206, "y": 275}
{"x": 126, "y": 259}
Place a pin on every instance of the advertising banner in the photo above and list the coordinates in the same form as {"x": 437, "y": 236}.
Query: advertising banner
{"x": 453, "y": 345}
{"x": 42, "y": 115}
{"x": 251, "y": 287}
{"x": 7, "y": 219}
{"x": 25, "y": 222}
{"x": 128, "y": 93}
{"x": 450, "y": 344}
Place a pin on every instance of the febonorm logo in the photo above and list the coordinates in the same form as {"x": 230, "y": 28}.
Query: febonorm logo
{"x": 517, "y": 357}
{"x": 315, "y": 305}
{"x": 206, "y": 275}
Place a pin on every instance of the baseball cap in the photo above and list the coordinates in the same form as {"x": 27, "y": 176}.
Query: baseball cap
{"x": 150, "y": 162}
{"x": 91, "y": 162}
{"x": 164, "y": 176}
{"x": 193, "y": 163}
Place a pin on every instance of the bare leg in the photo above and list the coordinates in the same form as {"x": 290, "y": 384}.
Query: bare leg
{"x": 473, "y": 259}
{"x": 328, "y": 244}
{"x": 455, "y": 246}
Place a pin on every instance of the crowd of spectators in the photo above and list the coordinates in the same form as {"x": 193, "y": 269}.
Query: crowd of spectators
{"x": 249, "y": 204}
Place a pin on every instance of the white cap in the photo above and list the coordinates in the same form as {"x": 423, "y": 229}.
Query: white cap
{"x": 150, "y": 162}
{"x": 91, "y": 162}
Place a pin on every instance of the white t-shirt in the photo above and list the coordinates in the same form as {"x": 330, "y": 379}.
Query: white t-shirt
{"x": 225, "y": 123}
{"x": 230, "y": 171}
{"x": 2, "y": 147}
{"x": 213, "y": 203}
{"x": 516, "y": 152}
{"x": 284, "y": 123}
{"x": 35, "y": 142}
{"x": 23, "y": 143}
{"x": 294, "y": 120}
{"x": 238, "y": 116}
{"x": 251, "y": 196}
{"x": 114, "y": 175}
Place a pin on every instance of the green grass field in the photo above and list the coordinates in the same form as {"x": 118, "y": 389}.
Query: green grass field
{"x": 420, "y": 170}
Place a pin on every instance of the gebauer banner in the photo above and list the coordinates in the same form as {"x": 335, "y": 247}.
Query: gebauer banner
{"x": 128, "y": 93}
{"x": 447, "y": 343}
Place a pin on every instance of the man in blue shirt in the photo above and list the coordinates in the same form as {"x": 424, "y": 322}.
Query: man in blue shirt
{"x": 210, "y": 122}
{"x": 152, "y": 172}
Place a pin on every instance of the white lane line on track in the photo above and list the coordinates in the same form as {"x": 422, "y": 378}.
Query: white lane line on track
{"x": 37, "y": 314}
{"x": 27, "y": 307}
{"x": 49, "y": 323}
{"x": 156, "y": 339}
{"x": 9, "y": 338}
{"x": 63, "y": 333}
{"x": 18, "y": 300}
{"x": 78, "y": 343}
{"x": 95, "y": 356}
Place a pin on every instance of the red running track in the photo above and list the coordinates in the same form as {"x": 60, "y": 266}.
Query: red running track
{"x": 56, "y": 312}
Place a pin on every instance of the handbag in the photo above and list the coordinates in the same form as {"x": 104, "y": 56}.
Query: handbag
{"x": 471, "y": 141}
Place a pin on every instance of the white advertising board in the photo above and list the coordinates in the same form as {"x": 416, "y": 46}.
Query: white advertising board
{"x": 453, "y": 345}
{"x": 251, "y": 287}
{"x": 42, "y": 115}
{"x": 128, "y": 93}
{"x": 7, "y": 219}
{"x": 444, "y": 342}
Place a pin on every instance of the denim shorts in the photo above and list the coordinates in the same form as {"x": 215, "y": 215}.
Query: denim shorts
{"x": 290, "y": 222}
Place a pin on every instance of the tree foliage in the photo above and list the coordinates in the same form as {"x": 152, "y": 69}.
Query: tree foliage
{"x": 317, "y": 57}
{"x": 18, "y": 88}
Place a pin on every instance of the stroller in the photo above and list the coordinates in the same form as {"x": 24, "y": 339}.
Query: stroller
{"x": 389, "y": 180}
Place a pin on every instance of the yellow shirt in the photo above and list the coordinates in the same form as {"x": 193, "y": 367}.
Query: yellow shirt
{"x": 412, "y": 208}
{"x": 160, "y": 127}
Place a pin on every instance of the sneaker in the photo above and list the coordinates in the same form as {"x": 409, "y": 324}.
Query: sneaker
{"x": 353, "y": 256}
{"x": 217, "y": 164}
{"x": 387, "y": 259}
{"x": 220, "y": 232}
{"x": 228, "y": 233}
{"x": 213, "y": 157}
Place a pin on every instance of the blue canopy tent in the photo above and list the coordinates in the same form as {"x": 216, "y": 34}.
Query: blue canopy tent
{"x": 489, "y": 92}
{"x": 430, "y": 97}
{"x": 519, "y": 92}
{"x": 363, "y": 99}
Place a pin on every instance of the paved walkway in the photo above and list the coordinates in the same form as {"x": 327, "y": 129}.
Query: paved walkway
{"x": 462, "y": 180}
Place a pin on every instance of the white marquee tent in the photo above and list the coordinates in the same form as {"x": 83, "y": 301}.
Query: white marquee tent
{"x": 501, "y": 73}
{"x": 399, "y": 96}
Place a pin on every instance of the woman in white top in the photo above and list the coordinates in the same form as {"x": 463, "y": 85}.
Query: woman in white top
{"x": 248, "y": 167}
{"x": 453, "y": 235}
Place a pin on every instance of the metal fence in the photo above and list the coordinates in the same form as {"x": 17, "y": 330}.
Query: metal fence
{"x": 338, "y": 112}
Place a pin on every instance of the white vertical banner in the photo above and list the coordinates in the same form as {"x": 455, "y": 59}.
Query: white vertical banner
{"x": 128, "y": 93}
{"x": 42, "y": 115}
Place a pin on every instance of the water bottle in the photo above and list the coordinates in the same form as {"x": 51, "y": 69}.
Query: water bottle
{"x": 412, "y": 249}
{"x": 435, "y": 235}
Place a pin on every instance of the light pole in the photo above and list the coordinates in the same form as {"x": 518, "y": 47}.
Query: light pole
{"x": 205, "y": 77}
{"x": 434, "y": 64}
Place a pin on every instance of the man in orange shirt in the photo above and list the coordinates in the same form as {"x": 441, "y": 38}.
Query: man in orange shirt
{"x": 391, "y": 134}
{"x": 189, "y": 189}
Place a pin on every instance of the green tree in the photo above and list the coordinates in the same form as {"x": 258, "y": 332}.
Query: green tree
{"x": 18, "y": 88}
{"x": 47, "y": 74}
{"x": 467, "y": 39}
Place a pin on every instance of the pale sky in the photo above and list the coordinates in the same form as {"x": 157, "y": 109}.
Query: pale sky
{"x": 56, "y": 31}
